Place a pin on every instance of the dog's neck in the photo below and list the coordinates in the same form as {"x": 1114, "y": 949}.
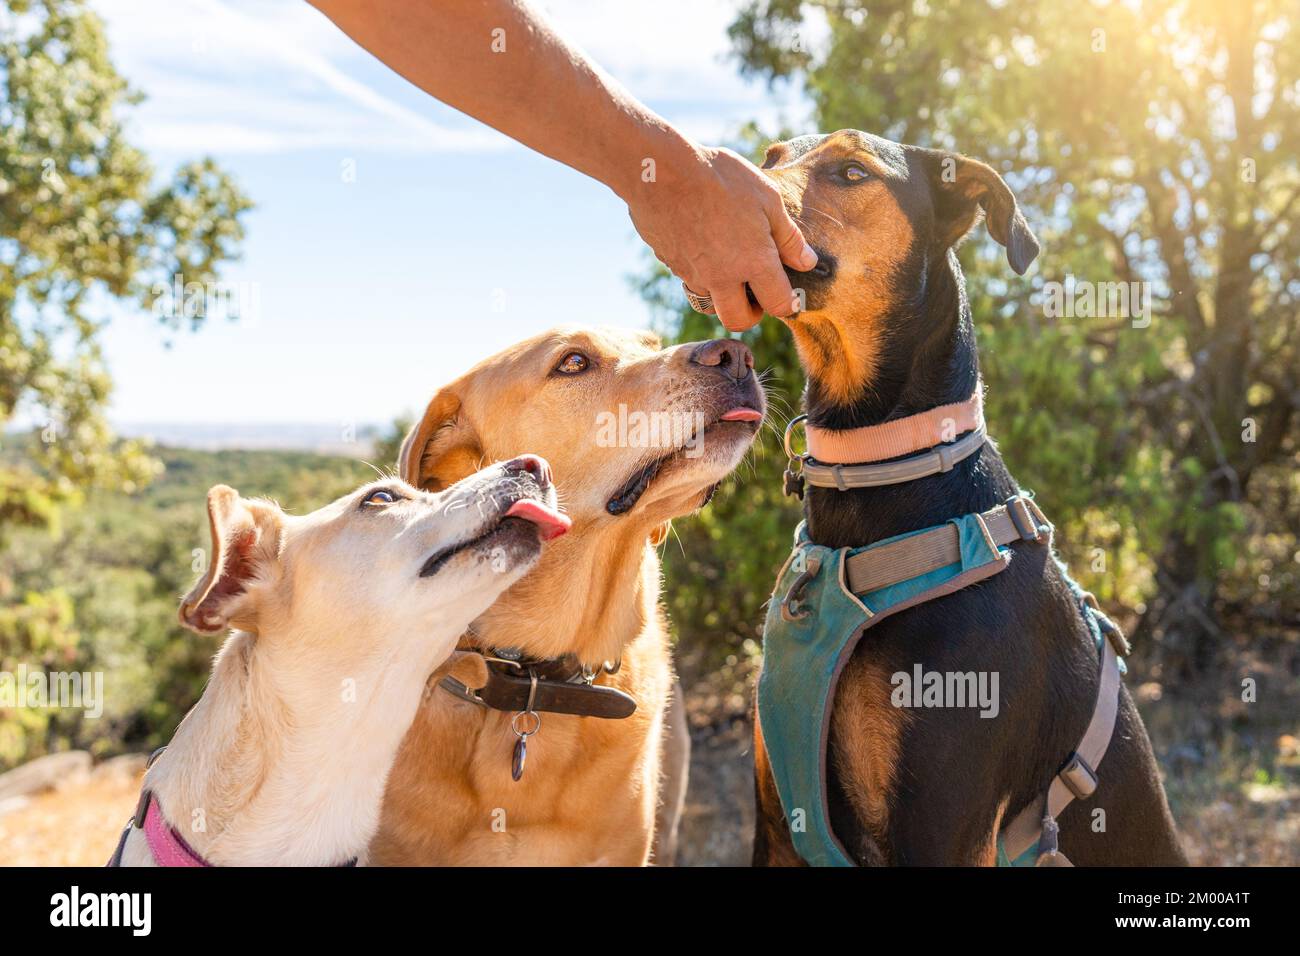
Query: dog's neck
{"x": 584, "y": 598}
{"x": 942, "y": 369}
{"x": 271, "y": 768}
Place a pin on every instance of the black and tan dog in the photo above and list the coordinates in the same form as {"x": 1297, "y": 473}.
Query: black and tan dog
{"x": 887, "y": 333}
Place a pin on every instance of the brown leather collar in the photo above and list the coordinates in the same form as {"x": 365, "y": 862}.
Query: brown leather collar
{"x": 558, "y": 685}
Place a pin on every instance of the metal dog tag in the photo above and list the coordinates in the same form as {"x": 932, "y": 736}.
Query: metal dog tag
{"x": 792, "y": 483}
{"x": 521, "y": 745}
{"x": 521, "y": 755}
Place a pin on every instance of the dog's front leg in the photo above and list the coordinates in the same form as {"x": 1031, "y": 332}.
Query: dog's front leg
{"x": 772, "y": 843}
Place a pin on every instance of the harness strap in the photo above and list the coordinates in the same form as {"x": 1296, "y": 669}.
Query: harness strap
{"x": 911, "y": 557}
{"x": 1078, "y": 778}
{"x": 936, "y": 460}
{"x": 900, "y": 437}
{"x": 167, "y": 846}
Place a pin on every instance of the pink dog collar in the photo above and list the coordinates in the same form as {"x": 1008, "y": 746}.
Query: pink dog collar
{"x": 894, "y": 439}
{"x": 165, "y": 843}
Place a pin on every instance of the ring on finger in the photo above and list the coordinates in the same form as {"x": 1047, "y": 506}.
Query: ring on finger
{"x": 700, "y": 303}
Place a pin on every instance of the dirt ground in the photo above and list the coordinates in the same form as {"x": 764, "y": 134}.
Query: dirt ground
{"x": 74, "y": 825}
{"x": 1232, "y": 772}
{"x": 718, "y": 820}
{"x": 1231, "y": 769}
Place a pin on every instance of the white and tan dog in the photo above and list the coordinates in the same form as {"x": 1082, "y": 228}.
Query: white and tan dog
{"x": 339, "y": 618}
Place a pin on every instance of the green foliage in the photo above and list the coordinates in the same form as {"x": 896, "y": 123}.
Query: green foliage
{"x": 719, "y": 567}
{"x": 389, "y": 445}
{"x": 81, "y": 221}
{"x": 102, "y": 594}
{"x": 82, "y": 224}
{"x": 1147, "y": 143}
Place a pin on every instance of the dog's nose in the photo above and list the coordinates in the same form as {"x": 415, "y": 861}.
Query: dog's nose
{"x": 534, "y": 465}
{"x": 727, "y": 355}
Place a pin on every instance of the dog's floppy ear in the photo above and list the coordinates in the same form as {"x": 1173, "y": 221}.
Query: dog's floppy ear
{"x": 961, "y": 188}
{"x": 442, "y": 448}
{"x": 468, "y": 667}
{"x": 246, "y": 539}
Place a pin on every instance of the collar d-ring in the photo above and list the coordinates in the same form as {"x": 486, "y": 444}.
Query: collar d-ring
{"x": 789, "y": 435}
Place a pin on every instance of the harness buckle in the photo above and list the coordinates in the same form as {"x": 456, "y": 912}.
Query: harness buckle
{"x": 1049, "y": 845}
{"x": 790, "y": 609}
{"x": 141, "y": 808}
{"x": 1111, "y": 631}
{"x": 1079, "y": 778}
{"x": 1025, "y": 521}
{"x": 1116, "y": 637}
{"x": 946, "y": 460}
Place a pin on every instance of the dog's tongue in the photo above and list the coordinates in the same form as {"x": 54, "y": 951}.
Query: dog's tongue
{"x": 550, "y": 522}
{"x": 743, "y": 414}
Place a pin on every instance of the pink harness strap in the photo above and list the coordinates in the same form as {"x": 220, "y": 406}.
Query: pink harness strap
{"x": 894, "y": 439}
{"x": 164, "y": 842}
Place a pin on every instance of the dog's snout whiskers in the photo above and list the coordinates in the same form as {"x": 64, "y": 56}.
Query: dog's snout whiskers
{"x": 821, "y": 212}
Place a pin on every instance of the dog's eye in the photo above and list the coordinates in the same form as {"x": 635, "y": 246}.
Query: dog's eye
{"x": 380, "y": 497}
{"x": 573, "y": 363}
{"x": 855, "y": 172}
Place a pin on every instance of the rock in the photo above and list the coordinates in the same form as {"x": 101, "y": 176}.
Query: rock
{"x": 10, "y": 804}
{"x": 125, "y": 767}
{"x": 46, "y": 773}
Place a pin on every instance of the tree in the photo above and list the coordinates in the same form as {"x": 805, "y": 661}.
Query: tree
{"x": 79, "y": 216}
{"x": 1150, "y": 144}
{"x": 81, "y": 224}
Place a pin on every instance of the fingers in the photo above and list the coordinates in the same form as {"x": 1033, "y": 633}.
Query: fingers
{"x": 772, "y": 288}
{"x": 734, "y": 309}
{"x": 769, "y": 282}
{"x": 790, "y": 244}
{"x": 724, "y": 228}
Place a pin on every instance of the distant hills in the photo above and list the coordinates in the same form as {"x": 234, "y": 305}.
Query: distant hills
{"x": 346, "y": 438}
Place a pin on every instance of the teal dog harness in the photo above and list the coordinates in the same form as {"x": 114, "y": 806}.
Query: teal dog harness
{"x": 826, "y": 599}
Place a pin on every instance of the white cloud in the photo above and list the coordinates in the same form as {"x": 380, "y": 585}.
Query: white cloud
{"x": 242, "y": 76}
{"x": 263, "y": 78}
{"x": 675, "y": 55}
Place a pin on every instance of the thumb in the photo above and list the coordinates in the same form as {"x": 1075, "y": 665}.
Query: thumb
{"x": 790, "y": 244}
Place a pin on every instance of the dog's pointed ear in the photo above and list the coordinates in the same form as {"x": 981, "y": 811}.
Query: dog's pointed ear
{"x": 442, "y": 447}
{"x": 246, "y": 537}
{"x": 961, "y": 188}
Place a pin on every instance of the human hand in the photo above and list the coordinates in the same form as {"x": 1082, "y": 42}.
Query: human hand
{"x": 718, "y": 223}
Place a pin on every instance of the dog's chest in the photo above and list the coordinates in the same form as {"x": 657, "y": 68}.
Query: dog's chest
{"x": 814, "y": 622}
{"x": 453, "y": 801}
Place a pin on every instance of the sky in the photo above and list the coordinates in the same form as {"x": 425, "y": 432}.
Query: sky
{"x": 395, "y": 242}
